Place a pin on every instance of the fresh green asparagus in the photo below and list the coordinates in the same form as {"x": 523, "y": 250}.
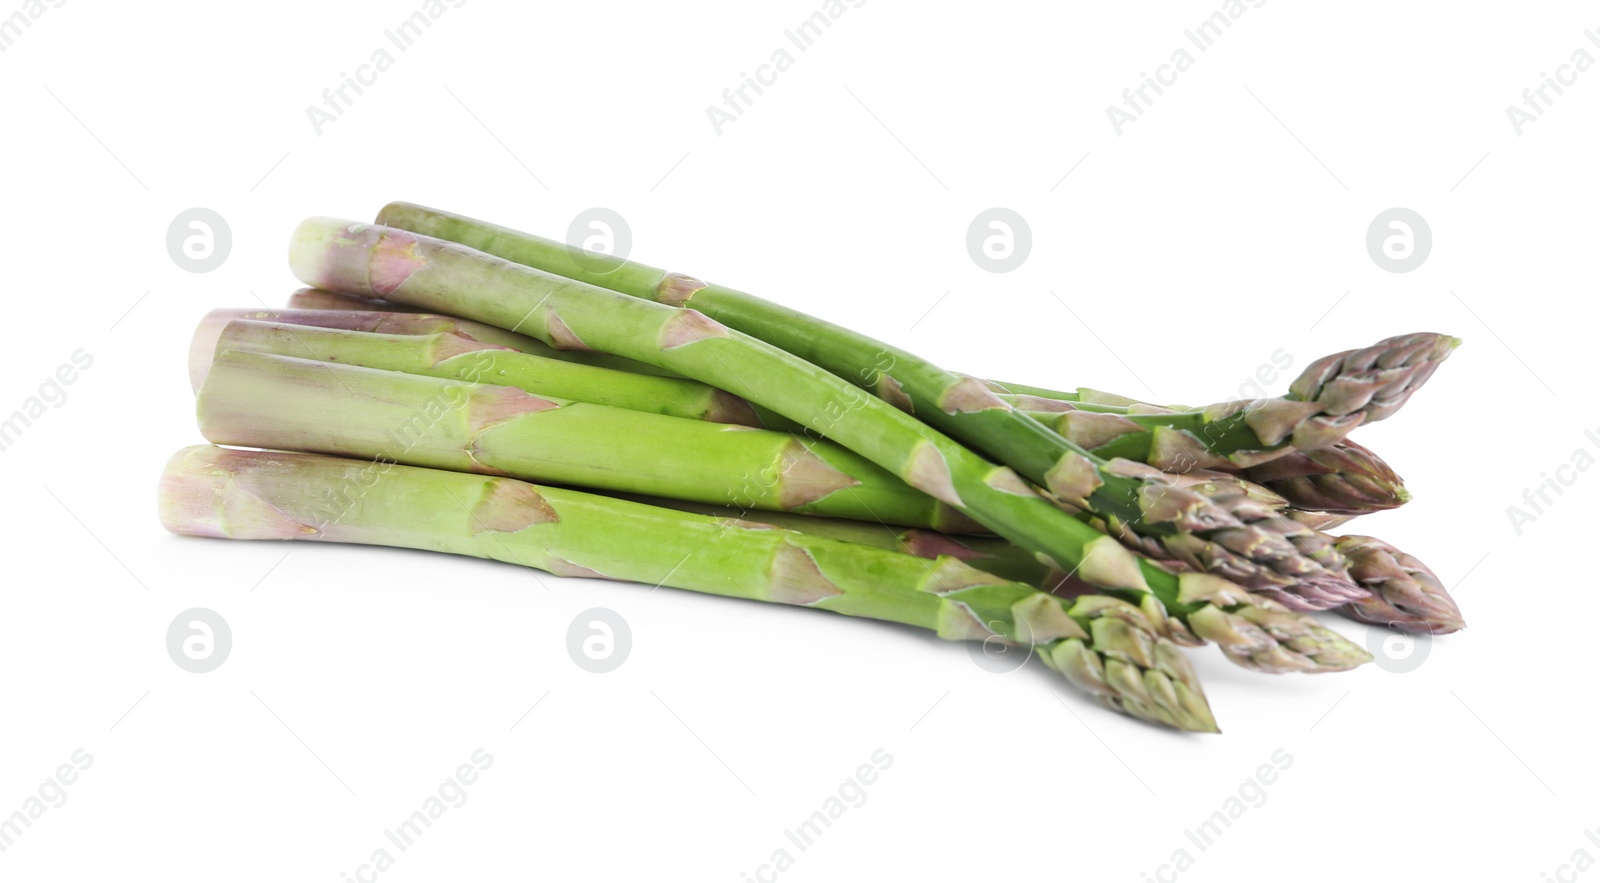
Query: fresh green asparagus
{"x": 271, "y": 393}
{"x": 626, "y": 390}
{"x": 986, "y": 553}
{"x": 693, "y": 436}
{"x": 389, "y": 322}
{"x": 1344, "y": 479}
{"x": 257, "y": 399}
{"x": 369, "y": 260}
{"x": 1405, "y": 594}
{"x": 1337, "y": 393}
{"x": 1102, "y": 645}
{"x": 1330, "y": 398}
{"x": 451, "y": 355}
{"x": 372, "y": 260}
{"x": 252, "y": 397}
{"x": 1208, "y": 534}
{"x": 1341, "y": 479}
{"x": 317, "y": 299}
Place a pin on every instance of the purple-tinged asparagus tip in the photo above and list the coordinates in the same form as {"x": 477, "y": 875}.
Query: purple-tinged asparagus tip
{"x": 1404, "y": 593}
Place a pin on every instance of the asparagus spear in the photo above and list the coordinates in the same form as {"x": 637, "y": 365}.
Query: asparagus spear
{"x": 1333, "y": 396}
{"x": 262, "y": 400}
{"x": 1344, "y": 479}
{"x": 1105, "y": 646}
{"x": 986, "y": 553}
{"x": 317, "y": 299}
{"x": 1351, "y": 387}
{"x": 1323, "y": 521}
{"x": 389, "y": 322}
{"x": 1341, "y": 479}
{"x": 304, "y": 303}
{"x": 257, "y": 399}
{"x": 204, "y": 342}
{"x": 373, "y": 260}
{"x": 1405, "y": 594}
{"x": 266, "y": 396}
{"x": 1408, "y": 598}
{"x": 452, "y": 355}
{"x": 1213, "y": 534}
{"x": 1254, "y": 637}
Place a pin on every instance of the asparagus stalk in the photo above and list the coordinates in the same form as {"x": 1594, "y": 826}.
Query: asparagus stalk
{"x": 1344, "y": 479}
{"x": 1341, "y": 479}
{"x": 376, "y": 261}
{"x": 1255, "y": 637}
{"x": 389, "y": 322}
{"x": 1337, "y": 393}
{"x": 1083, "y": 394}
{"x": 312, "y": 300}
{"x": 451, "y": 355}
{"x": 443, "y": 355}
{"x": 1405, "y": 594}
{"x": 1333, "y": 396}
{"x": 261, "y": 400}
{"x": 1210, "y": 534}
{"x": 988, "y": 554}
{"x": 317, "y": 299}
{"x": 1323, "y": 521}
{"x": 372, "y": 260}
{"x": 204, "y": 342}
{"x": 265, "y": 394}
{"x": 1105, "y": 646}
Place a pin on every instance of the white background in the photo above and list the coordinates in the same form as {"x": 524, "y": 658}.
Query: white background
{"x": 1170, "y": 263}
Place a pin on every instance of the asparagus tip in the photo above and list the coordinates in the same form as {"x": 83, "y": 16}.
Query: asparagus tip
{"x": 1404, "y": 593}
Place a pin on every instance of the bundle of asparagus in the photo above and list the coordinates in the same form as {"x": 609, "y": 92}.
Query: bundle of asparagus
{"x": 451, "y": 385}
